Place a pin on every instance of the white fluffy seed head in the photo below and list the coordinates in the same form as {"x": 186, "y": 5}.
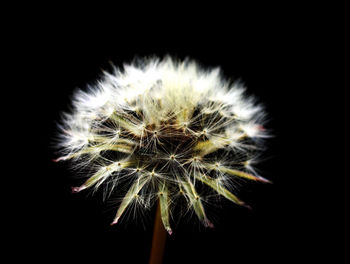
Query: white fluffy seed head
{"x": 164, "y": 128}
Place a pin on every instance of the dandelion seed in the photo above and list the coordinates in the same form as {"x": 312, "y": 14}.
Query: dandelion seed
{"x": 165, "y": 128}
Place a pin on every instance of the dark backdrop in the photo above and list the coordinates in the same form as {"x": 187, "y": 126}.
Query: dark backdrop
{"x": 266, "y": 57}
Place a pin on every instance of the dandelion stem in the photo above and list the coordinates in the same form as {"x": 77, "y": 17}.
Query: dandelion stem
{"x": 159, "y": 239}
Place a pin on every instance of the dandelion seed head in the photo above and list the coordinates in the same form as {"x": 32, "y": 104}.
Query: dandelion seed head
{"x": 164, "y": 128}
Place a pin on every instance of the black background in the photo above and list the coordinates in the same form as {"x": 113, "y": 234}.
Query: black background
{"x": 270, "y": 58}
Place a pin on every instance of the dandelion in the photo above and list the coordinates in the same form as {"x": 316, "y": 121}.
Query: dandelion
{"x": 164, "y": 130}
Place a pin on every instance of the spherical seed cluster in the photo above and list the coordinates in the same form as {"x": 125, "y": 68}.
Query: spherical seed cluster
{"x": 164, "y": 129}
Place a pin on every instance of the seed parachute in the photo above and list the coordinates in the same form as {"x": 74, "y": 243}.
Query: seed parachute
{"x": 165, "y": 130}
